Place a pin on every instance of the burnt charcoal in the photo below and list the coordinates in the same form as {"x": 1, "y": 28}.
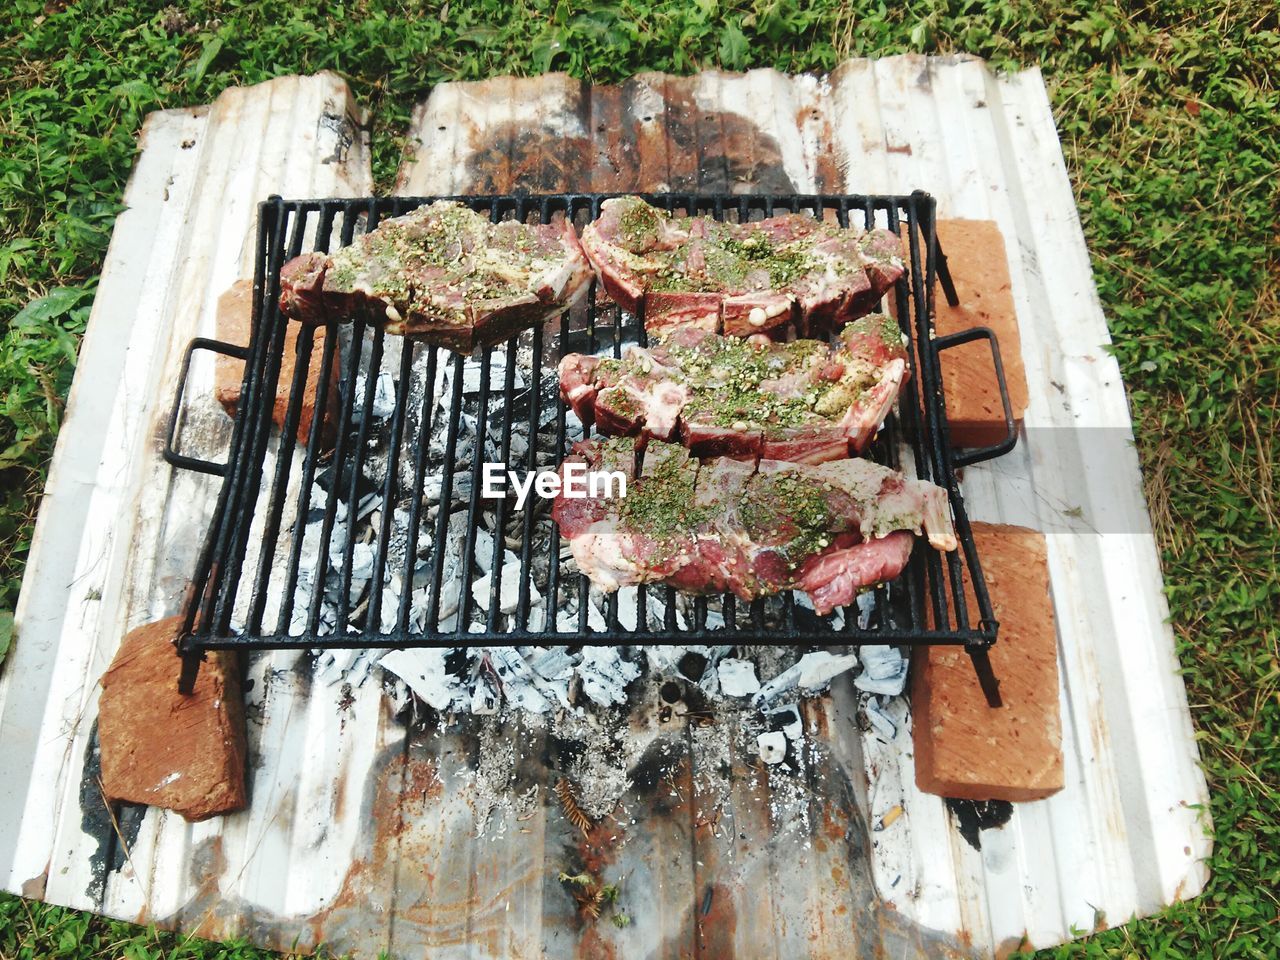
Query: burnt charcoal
{"x": 692, "y": 665}
{"x": 457, "y": 662}
{"x": 324, "y": 480}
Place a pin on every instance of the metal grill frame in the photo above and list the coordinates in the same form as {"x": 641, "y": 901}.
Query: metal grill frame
{"x": 930, "y": 578}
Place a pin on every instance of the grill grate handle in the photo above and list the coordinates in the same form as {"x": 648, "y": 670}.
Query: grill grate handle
{"x": 965, "y": 458}
{"x": 170, "y": 452}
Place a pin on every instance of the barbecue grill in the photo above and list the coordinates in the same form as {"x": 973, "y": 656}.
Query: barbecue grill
{"x": 255, "y": 587}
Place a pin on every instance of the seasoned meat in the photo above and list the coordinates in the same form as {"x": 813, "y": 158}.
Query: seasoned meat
{"x": 442, "y": 274}
{"x": 770, "y": 277}
{"x": 830, "y": 529}
{"x": 803, "y": 402}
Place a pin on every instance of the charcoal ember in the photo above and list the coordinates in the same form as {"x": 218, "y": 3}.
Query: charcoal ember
{"x": 628, "y": 607}
{"x": 551, "y": 663}
{"x": 508, "y": 589}
{"x": 459, "y": 489}
{"x": 786, "y": 720}
{"x": 692, "y": 665}
{"x": 472, "y": 373}
{"x": 457, "y": 661}
{"x": 438, "y": 445}
{"x": 383, "y": 402}
{"x": 879, "y": 719}
{"x": 518, "y": 447}
{"x": 772, "y": 747}
{"x": 811, "y": 673}
{"x": 808, "y": 619}
{"x": 424, "y": 672}
{"x": 605, "y": 675}
{"x": 324, "y": 479}
{"x": 738, "y": 678}
{"x": 549, "y": 388}
{"x": 523, "y": 686}
{"x": 884, "y": 670}
{"x": 484, "y": 697}
{"x": 344, "y": 666}
{"x": 362, "y": 559}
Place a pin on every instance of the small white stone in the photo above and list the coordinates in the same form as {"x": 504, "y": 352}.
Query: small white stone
{"x": 757, "y": 317}
{"x": 772, "y": 746}
{"x": 738, "y": 678}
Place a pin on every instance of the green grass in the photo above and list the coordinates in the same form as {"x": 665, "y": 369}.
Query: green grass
{"x": 1169, "y": 118}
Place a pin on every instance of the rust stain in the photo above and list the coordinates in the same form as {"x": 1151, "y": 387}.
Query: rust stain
{"x": 626, "y": 143}
{"x": 1012, "y": 945}
{"x": 599, "y": 847}
{"x": 717, "y": 921}
{"x": 593, "y": 946}
{"x": 817, "y": 718}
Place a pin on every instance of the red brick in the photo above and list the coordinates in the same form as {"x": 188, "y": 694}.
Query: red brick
{"x": 235, "y": 312}
{"x": 963, "y": 747}
{"x": 183, "y": 753}
{"x": 979, "y": 266}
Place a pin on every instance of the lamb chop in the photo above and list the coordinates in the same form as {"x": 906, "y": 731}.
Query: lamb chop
{"x": 754, "y": 529}
{"x": 443, "y": 274}
{"x": 769, "y": 277}
{"x": 803, "y": 402}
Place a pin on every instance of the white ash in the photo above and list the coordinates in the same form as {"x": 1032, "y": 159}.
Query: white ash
{"x": 599, "y": 773}
{"x": 772, "y": 747}
{"x": 810, "y": 674}
{"x": 880, "y": 719}
{"x": 884, "y": 670}
{"x": 738, "y": 678}
{"x": 605, "y": 675}
{"x": 711, "y": 751}
{"x": 493, "y": 781}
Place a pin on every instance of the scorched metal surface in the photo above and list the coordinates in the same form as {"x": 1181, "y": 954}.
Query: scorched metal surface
{"x": 348, "y": 475}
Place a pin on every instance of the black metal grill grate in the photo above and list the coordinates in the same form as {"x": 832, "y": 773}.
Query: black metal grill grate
{"x": 260, "y": 584}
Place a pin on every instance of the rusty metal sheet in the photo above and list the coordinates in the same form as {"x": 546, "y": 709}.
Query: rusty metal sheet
{"x": 371, "y": 832}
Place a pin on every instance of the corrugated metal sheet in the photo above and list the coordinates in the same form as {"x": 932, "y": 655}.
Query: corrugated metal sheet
{"x": 362, "y": 833}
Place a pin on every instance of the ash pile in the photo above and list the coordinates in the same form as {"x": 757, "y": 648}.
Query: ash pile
{"x": 764, "y": 681}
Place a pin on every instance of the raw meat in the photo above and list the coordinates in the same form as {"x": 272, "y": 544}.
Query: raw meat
{"x": 442, "y": 274}
{"x": 787, "y": 273}
{"x": 830, "y": 529}
{"x": 803, "y": 402}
